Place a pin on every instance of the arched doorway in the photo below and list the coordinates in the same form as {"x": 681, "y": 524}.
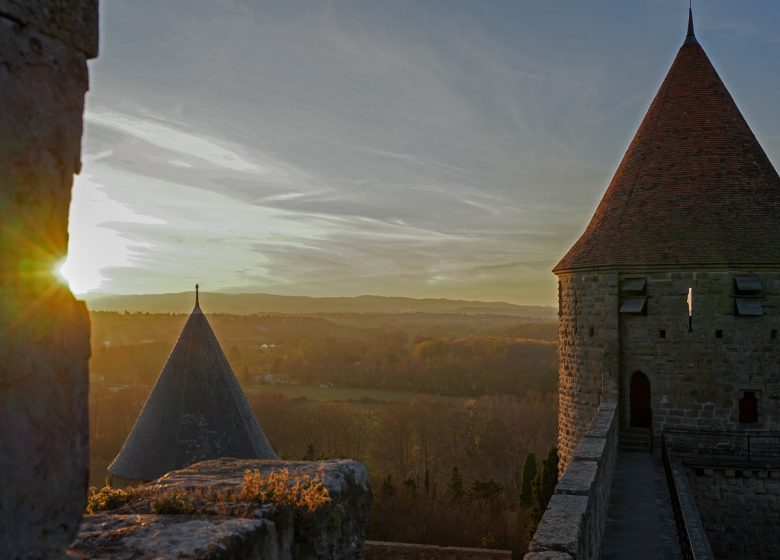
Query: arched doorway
{"x": 640, "y": 400}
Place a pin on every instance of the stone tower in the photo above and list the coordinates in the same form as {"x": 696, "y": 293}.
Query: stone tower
{"x": 196, "y": 411}
{"x": 669, "y": 302}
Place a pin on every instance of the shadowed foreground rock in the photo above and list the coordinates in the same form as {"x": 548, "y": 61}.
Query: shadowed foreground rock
{"x": 44, "y": 331}
{"x": 233, "y": 529}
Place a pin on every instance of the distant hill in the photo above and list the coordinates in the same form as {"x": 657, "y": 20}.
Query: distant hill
{"x": 245, "y": 304}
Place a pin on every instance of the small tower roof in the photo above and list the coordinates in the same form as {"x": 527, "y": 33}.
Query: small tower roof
{"x": 196, "y": 411}
{"x": 694, "y": 187}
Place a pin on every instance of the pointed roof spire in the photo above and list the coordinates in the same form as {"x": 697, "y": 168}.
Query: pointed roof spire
{"x": 694, "y": 187}
{"x": 196, "y": 411}
{"x": 691, "y": 37}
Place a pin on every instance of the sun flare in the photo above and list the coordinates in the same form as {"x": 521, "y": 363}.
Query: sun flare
{"x": 80, "y": 279}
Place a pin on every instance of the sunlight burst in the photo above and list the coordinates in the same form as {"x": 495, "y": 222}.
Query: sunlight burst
{"x": 81, "y": 279}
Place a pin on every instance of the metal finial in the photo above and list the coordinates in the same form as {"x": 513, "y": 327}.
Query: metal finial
{"x": 196, "y": 295}
{"x": 690, "y": 21}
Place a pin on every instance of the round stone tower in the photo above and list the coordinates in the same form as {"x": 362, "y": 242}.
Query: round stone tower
{"x": 669, "y": 302}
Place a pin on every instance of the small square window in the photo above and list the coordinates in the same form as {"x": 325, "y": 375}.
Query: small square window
{"x": 718, "y": 333}
{"x": 592, "y": 331}
{"x": 773, "y": 334}
{"x": 662, "y": 333}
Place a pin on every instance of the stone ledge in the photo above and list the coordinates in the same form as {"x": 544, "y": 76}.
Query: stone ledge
{"x": 548, "y": 555}
{"x": 334, "y": 531}
{"x": 578, "y": 479}
{"x": 590, "y": 449}
{"x": 378, "y": 550}
{"x": 562, "y": 524}
{"x": 602, "y": 421}
{"x": 129, "y": 537}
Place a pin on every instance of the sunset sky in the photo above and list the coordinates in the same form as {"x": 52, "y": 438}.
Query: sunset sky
{"x": 437, "y": 148}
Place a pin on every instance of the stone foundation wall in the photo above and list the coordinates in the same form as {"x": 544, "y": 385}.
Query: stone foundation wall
{"x": 574, "y": 522}
{"x": 740, "y": 510}
{"x": 44, "y": 331}
{"x": 376, "y": 550}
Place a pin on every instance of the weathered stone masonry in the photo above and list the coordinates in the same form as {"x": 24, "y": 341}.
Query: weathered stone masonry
{"x": 739, "y": 508}
{"x": 696, "y": 374}
{"x": 587, "y": 358}
{"x": 44, "y": 331}
{"x": 573, "y": 524}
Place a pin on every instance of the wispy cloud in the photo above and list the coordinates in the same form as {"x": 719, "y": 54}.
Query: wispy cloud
{"x": 451, "y": 147}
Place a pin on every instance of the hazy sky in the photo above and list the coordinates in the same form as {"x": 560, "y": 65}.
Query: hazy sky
{"x": 427, "y": 148}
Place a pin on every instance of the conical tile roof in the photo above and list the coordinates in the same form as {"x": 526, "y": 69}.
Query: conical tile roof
{"x": 196, "y": 411}
{"x": 694, "y": 188}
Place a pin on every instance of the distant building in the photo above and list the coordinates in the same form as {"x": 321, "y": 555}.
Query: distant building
{"x": 670, "y": 299}
{"x": 196, "y": 411}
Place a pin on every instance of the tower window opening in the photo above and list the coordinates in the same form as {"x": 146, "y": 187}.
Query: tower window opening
{"x": 662, "y": 333}
{"x": 748, "y": 408}
{"x": 718, "y": 333}
{"x": 592, "y": 331}
{"x": 773, "y": 334}
{"x": 690, "y": 302}
{"x": 690, "y": 309}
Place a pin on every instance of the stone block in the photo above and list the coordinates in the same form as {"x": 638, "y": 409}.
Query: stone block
{"x": 378, "y": 550}
{"x": 548, "y": 555}
{"x": 335, "y": 530}
{"x": 578, "y": 478}
{"x": 132, "y": 536}
{"x": 590, "y": 448}
{"x": 75, "y": 22}
{"x": 562, "y": 525}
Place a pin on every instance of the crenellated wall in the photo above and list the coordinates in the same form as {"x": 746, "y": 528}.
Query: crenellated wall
{"x": 44, "y": 331}
{"x": 574, "y": 522}
{"x": 739, "y": 507}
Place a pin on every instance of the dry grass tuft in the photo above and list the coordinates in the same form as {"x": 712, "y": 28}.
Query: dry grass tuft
{"x": 304, "y": 493}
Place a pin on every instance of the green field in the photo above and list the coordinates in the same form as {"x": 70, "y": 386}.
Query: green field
{"x": 342, "y": 394}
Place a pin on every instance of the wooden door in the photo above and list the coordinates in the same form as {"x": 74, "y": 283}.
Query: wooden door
{"x": 640, "y": 400}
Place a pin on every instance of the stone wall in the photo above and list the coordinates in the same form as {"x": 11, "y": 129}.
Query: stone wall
{"x": 696, "y": 376}
{"x": 740, "y": 509}
{"x": 696, "y": 542}
{"x": 44, "y": 331}
{"x": 588, "y": 353}
{"x": 574, "y": 522}
{"x": 377, "y": 550}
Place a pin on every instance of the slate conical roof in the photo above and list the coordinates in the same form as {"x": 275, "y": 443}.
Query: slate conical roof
{"x": 694, "y": 187}
{"x": 196, "y": 411}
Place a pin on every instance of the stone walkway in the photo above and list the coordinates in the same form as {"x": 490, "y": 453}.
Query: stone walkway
{"x": 640, "y": 523}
